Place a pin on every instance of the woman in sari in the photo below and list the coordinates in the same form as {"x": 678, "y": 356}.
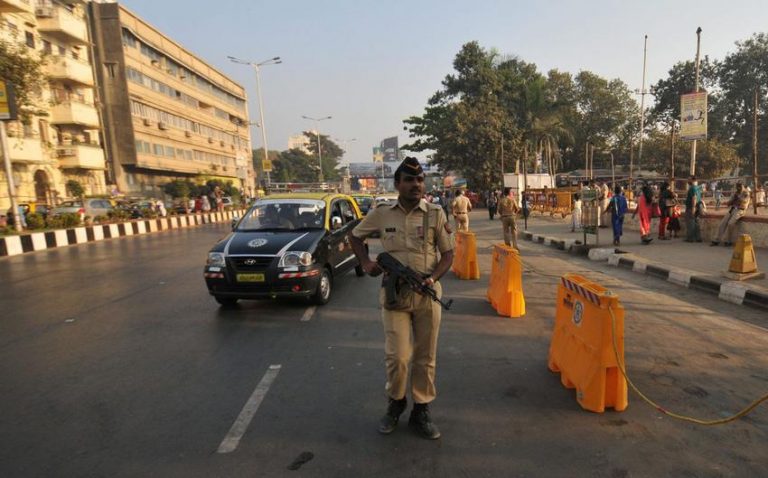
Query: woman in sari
{"x": 644, "y": 205}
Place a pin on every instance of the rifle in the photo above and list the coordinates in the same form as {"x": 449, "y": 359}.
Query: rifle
{"x": 397, "y": 271}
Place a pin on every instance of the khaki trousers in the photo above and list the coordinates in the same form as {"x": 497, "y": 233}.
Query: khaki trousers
{"x": 510, "y": 230}
{"x": 728, "y": 224}
{"x": 410, "y": 338}
{"x": 462, "y": 221}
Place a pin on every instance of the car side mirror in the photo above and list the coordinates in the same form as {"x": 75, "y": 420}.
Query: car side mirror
{"x": 235, "y": 220}
{"x": 335, "y": 223}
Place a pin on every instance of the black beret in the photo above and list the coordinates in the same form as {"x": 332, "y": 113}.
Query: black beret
{"x": 410, "y": 165}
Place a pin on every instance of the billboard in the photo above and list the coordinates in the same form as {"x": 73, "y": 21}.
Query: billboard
{"x": 693, "y": 116}
{"x": 378, "y": 154}
{"x": 391, "y": 150}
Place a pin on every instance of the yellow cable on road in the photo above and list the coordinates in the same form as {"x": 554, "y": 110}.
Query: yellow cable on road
{"x": 663, "y": 410}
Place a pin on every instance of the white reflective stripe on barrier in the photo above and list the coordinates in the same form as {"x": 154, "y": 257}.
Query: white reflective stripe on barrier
{"x": 98, "y": 233}
{"x": 61, "y": 237}
{"x": 114, "y": 230}
{"x": 142, "y": 227}
{"x": 80, "y": 235}
{"x": 38, "y": 241}
{"x": 13, "y": 245}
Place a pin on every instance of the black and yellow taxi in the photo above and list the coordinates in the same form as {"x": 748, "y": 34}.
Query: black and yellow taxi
{"x": 286, "y": 245}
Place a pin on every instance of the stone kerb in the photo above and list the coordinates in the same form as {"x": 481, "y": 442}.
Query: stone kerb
{"x": 38, "y": 241}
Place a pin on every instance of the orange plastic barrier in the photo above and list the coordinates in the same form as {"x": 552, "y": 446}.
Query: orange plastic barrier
{"x": 582, "y": 344}
{"x": 505, "y": 289}
{"x": 465, "y": 264}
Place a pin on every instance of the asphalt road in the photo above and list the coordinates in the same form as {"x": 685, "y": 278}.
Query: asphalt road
{"x": 115, "y": 362}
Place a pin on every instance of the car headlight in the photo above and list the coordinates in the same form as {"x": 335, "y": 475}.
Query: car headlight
{"x": 216, "y": 259}
{"x": 295, "y": 258}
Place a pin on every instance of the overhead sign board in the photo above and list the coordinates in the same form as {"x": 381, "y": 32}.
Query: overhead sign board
{"x": 693, "y": 116}
{"x": 266, "y": 165}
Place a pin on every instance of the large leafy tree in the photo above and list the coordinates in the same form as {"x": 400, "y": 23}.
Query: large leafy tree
{"x": 741, "y": 73}
{"x": 26, "y": 73}
{"x": 294, "y": 165}
{"x": 331, "y": 154}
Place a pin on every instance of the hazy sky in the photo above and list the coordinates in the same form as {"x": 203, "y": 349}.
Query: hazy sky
{"x": 370, "y": 64}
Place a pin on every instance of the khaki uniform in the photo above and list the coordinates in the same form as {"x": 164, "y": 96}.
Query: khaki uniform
{"x": 507, "y": 210}
{"x": 461, "y": 207}
{"x": 739, "y": 204}
{"x": 414, "y": 239}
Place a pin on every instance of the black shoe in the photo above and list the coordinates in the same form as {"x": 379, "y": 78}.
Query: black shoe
{"x": 422, "y": 423}
{"x": 394, "y": 410}
{"x": 714, "y": 243}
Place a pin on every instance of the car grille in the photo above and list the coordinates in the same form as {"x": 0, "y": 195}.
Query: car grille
{"x": 248, "y": 264}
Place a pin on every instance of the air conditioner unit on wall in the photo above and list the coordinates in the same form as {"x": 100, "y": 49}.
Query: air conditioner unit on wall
{"x": 147, "y": 122}
{"x": 210, "y": 140}
{"x": 221, "y": 143}
{"x": 188, "y": 134}
{"x": 162, "y": 125}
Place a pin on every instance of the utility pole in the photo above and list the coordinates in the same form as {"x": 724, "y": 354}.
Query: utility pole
{"x": 502, "y": 159}
{"x": 698, "y": 53}
{"x": 754, "y": 154}
{"x": 672, "y": 154}
{"x": 642, "y": 105}
{"x": 9, "y": 177}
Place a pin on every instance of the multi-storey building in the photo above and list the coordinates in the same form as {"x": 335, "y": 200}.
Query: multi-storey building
{"x": 300, "y": 142}
{"x": 63, "y": 142}
{"x": 167, "y": 113}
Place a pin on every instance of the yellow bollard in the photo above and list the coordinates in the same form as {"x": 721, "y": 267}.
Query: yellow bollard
{"x": 743, "y": 264}
{"x": 505, "y": 288}
{"x": 582, "y": 344}
{"x": 465, "y": 264}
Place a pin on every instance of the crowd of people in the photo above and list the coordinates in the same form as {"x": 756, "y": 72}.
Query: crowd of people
{"x": 659, "y": 200}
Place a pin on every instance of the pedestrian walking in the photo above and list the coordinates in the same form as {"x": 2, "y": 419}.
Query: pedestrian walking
{"x": 693, "y": 210}
{"x": 160, "y": 208}
{"x": 205, "y": 203}
{"x": 576, "y": 213}
{"x": 411, "y": 326}
{"x": 461, "y": 206}
{"x": 644, "y": 211}
{"x": 618, "y": 208}
{"x": 737, "y": 209}
{"x": 667, "y": 203}
{"x": 508, "y": 210}
{"x": 492, "y": 203}
{"x": 674, "y": 221}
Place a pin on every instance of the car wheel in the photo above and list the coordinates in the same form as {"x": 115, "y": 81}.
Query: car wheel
{"x": 225, "y": 301}
{"x": 324, "y": 286}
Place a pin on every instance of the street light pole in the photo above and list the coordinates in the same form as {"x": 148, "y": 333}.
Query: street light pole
{"x": 698, "y": 52}
{"x": 642, "y": 113}
{"x": 256, "y": 66}
{"x": 319, "y": 147}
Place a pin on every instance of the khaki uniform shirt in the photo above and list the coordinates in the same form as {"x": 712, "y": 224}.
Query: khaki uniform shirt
{"x": 741, "y": 201}
{"x": 404, "y": 234}
{"x": 507, "y": 207}
{"x": 461, "y": 204}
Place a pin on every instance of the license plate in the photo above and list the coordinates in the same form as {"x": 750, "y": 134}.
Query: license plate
{"x": 250, "y": 277}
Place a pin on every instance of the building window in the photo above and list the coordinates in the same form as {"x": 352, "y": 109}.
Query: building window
{"x": 111, "y": 69}
{"x": 29, "y": 39}
{"x": 62, "y": 51}
{"x": 47, "y": 47}
{"x": 158, "y": 150}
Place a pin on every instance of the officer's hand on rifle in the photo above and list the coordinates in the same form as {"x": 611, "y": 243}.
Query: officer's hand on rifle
{"x": 372, "y": 268}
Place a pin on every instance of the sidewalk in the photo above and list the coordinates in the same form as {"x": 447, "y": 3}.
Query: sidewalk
{"x": 693, "y": 265}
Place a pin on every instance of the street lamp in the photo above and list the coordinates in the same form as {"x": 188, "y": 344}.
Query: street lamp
{"x": 272, "y": 61}
{"x": 319, "y": 148}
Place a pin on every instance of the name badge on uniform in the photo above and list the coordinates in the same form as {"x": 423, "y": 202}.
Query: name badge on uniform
{"x": 390, "y": 229}
{"x": 420, "y": 231}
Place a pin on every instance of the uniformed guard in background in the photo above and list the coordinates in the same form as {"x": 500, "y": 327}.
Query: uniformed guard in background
{"x": 507, "y": 210}
{"x": 417, "y": 234}
{"x": 461, "y": 207}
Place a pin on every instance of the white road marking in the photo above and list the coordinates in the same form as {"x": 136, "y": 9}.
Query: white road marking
{"x": 308, "y": 313}
{"x": 232, "y": 440}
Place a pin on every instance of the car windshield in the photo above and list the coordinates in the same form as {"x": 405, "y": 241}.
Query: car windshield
{"x": 284, "y": 215}
{"x": 71, "y": 204}
{"x": 364, "y": 202}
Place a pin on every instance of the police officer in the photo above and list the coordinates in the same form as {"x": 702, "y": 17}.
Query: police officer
{"x": 461, "y": 207}
{"x": 507, "y": 210}
{"x": 417, "y": 234}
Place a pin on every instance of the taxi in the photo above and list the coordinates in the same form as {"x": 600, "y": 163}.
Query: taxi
{"x": 364, "y": 201}
{"x": 286, "y": 245}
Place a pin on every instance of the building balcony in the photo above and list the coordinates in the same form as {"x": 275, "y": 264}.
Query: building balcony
{"x": 75, "y": 113}
{"x": 17, "y": 6}
{"x": 60, "y": 24}
{"x": 69, "y": 70}
{"x": 26, "y": 150}
{"x": 81, "y": 156}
